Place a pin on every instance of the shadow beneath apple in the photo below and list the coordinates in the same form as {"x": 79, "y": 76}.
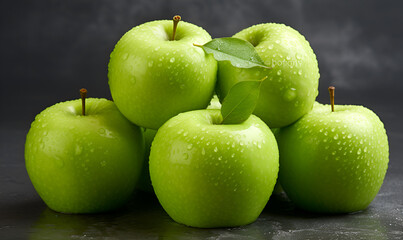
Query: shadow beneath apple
{"x": 140, "y": 216}
{"x": 144, "y": 218}
{"x": 18, "y": 215}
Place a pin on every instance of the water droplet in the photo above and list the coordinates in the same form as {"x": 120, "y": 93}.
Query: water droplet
{"x": 203, "y": 151}
{"x": 190, "y": 146}
{"x": 290, "y": 95}
{"x": 172, "y": 60}
{"x": 215, "y": 149}
{"x": 270, "y": 46}
{"x": 150, "y": 63}
{"x": 336, "y": 137}
{"x": 78, "y": 149}
{"x": 300, "y": 72}
{"x": 279, "y": 72}
{"x": 219, "y": 158}
{"x": 359, "y": 151}
{"x": 59, "y": 161}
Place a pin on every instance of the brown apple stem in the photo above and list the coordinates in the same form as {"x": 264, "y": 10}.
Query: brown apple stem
{"x": 83, "y": 93}
{"x": 331, "y": 93}
{"x": 176, "y": 19}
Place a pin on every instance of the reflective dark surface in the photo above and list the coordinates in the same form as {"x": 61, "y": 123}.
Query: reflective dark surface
{"x": 24, "y": 216}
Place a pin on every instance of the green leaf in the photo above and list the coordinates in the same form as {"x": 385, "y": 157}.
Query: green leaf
{"x": 240, "y": 53}
{"x": 240, "y": 101}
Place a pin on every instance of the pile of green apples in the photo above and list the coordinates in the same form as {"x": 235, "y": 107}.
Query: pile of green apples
{"x": 209, "y": 165}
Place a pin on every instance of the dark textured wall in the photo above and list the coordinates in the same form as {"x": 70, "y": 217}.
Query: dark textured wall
{"x": 51, "y": 48}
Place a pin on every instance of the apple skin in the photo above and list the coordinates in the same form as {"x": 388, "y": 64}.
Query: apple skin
{"x": 277, "y": 188}
{"x": 152, "y": 79}
{"x": 291, "y": 87}
{"x": 212, "y": 175}
{"x": 144, "y": 183}
{"x": 333, "y": 162}
{"x": 84, "y": 164}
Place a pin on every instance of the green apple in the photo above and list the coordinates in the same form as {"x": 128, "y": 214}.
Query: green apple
{"x": 84, "y": 164}
{"x": 292, "y": 84}
{"x": 333, "y": 162}
{"x": 153, "y": 78}
{"x": 144, "y": 183}
{"x": 207, "y": 174}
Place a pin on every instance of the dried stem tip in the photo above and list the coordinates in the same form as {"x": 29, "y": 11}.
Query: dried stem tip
{"x": 176, "y": 19}
{"x": 331, "y": 93}
{"x": 83, "y": 93}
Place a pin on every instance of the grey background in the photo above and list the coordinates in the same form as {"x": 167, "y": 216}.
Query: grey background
{"x": 51, "y": 48}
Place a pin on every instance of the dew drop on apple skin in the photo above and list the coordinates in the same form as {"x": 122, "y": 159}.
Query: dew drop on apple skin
{"x": 133, "y": 80}
{"x": 59, "y": 161}
{"x": 78, "y": 150}
{"x": 290, "y": 95}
